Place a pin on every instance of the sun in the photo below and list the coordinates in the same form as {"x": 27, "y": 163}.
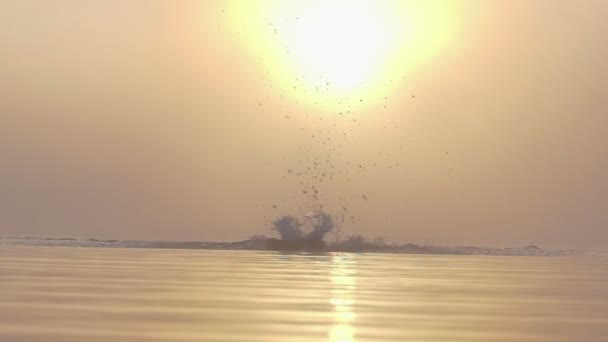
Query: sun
{"x": 324, "y": 50}
{"x": 343, "y": 44}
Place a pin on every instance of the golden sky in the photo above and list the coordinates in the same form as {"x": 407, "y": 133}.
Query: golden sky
{"x": 478, "y": 122}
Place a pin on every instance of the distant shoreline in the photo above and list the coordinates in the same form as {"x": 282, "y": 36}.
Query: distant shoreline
{"x": 261, "y": 244}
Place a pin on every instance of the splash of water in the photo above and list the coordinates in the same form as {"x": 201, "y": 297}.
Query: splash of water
{"x": 306, "y": 234}
{"x": 289, "y": 228}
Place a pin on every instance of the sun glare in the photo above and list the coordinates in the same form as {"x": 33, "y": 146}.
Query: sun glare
{"x": 323, "y": 50}
{"x": 343, "y": 44}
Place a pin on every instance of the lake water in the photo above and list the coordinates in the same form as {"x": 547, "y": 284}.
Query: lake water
{"x": 97, "y": 294}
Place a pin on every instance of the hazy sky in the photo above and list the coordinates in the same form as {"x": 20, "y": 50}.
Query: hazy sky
{"x": 156, "y": 120}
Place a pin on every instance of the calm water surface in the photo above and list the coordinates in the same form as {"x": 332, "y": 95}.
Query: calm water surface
{"x": 96, "y": 294}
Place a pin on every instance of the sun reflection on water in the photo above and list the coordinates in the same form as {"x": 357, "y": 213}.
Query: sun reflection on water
{"x": 343, "y": 283}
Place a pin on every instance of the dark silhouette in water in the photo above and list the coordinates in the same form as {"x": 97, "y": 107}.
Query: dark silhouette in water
{"x": 298, "y": 236}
